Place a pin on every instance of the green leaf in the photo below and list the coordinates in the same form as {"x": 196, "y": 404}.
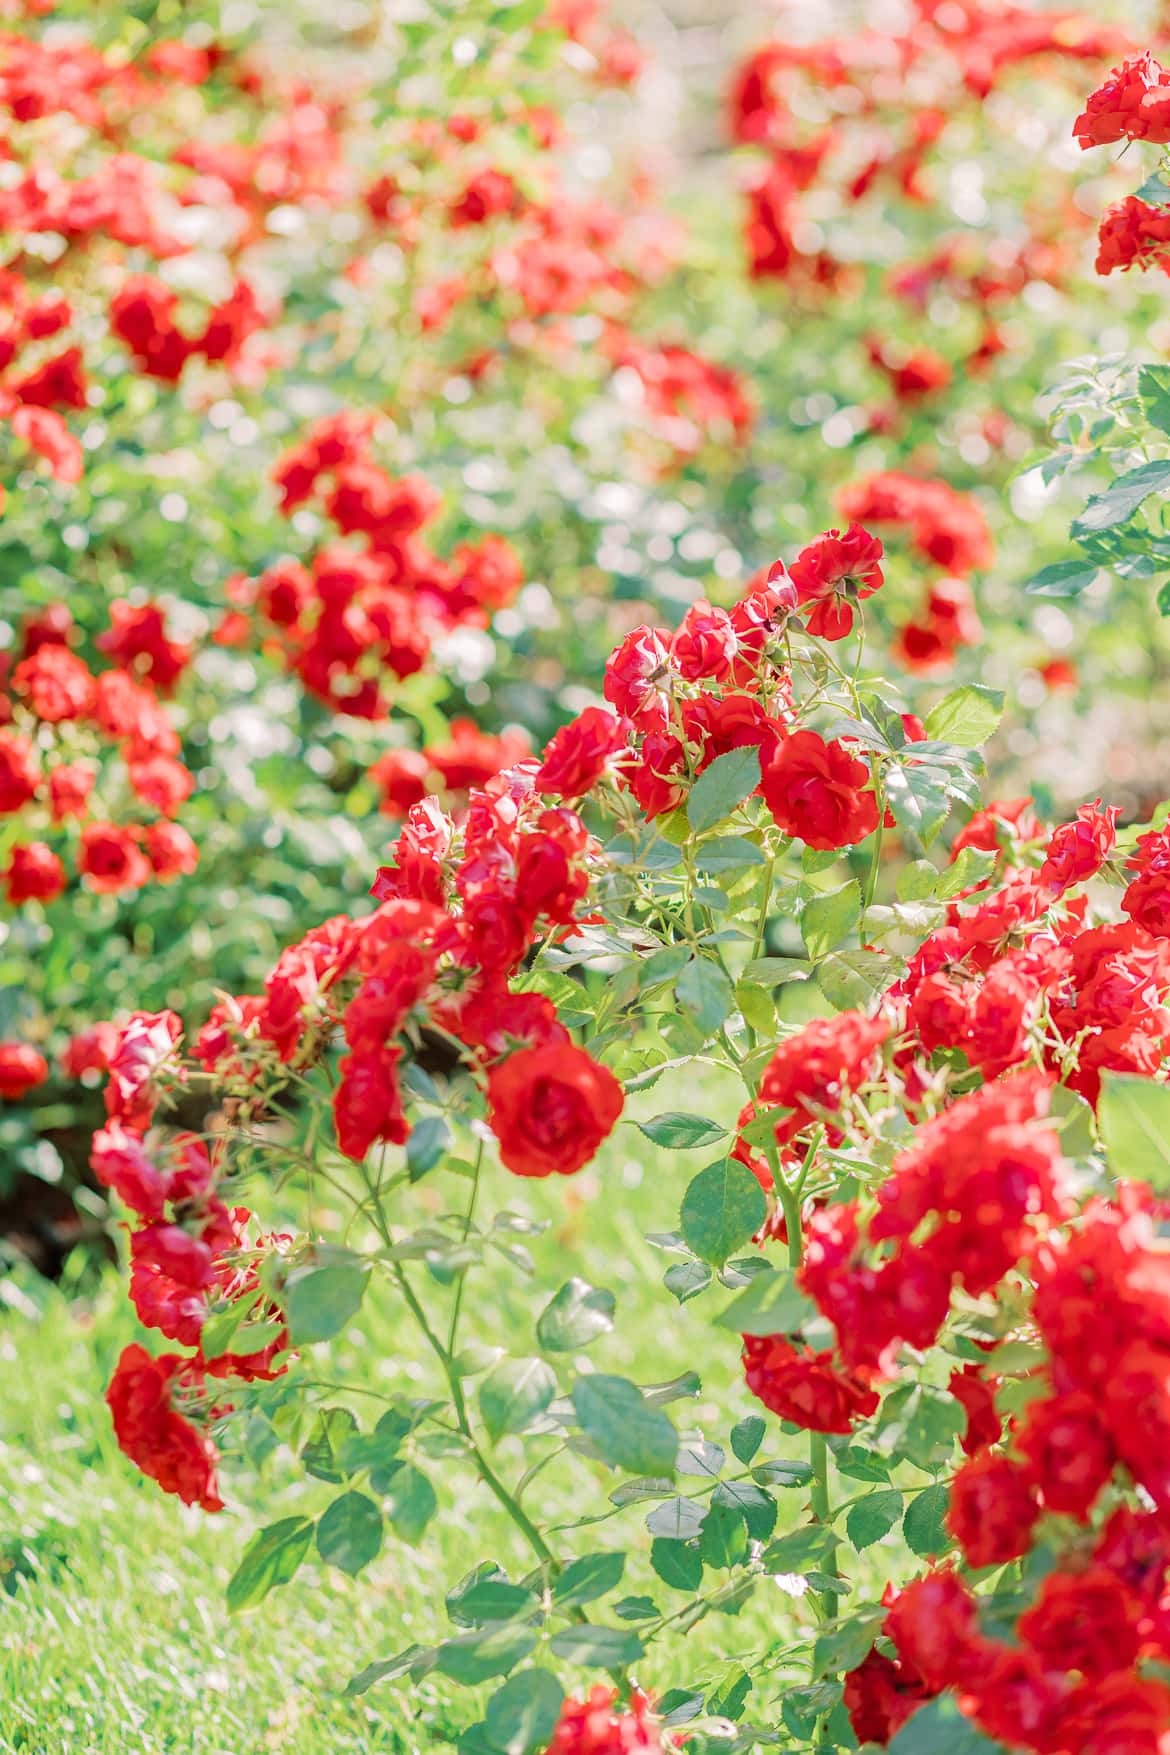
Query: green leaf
{"x": 349, "y": 1534}
{"x": 873, "y": 1517}
{"x": 429, "y": 1139}
{"x": 923, "y": 1529}
{"x": 1134, "y": 1118}
{"x": 490, "y": 1599}
{"x": 677, "y": 1563}
{"x": 1122, "y": 498}
{"x": 704, "y": 991}
{"x": 722, "y": 1209}
{"x": 322, "y": 1455}
{"x": 686, "y": 1279}
{"x": 271, "y": 1558}
{"x": 490, "y": 1651}
{"x": 513, "y": 1395}
{"x": 1156, "y": 194}
{"x": 614, "y": 1415}
{"x": 800, "y": 1550}
{"x": 746, "y": 1437}
{"x": 967, "y": 716}
{"x": 971, "y": 867}
{"x": 1154, "y": 381}
{"x": 829, "y": 918}
{"x": 604, "y": 1648}
{"x": 410, "y": 1500}
{"x": 416, "y": 1659}
{"x": 677, "y": 1131}
{"x": 678, "y": 1519}
{"x": 721, "y": 787}
{"x": 1062, "y": 579}
{"x": 576, "y": 1315}
{"x": 845, "y": 1646}
{"x": 522, "y": 1715}
{"x": 320, "y": 1300}
{"x": 727, "y": 853}
{"x": 757, "y": 1508}
{"x": 772, "y": 1304}
{"x": 852, "y": 980}
{"x": 588, "y": 1578}
{"x": 938, "y": 1726}
{"x": 723, "y": 1539}
{"x": 727, "y": 1700}
{"x": 918, "y": 800}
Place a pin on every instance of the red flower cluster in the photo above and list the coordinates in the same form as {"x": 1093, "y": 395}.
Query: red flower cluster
{"x": 151, "y": 1424}
{"x": 832, "y": 575}
{"x": 53, "y": 706}
{"x": 143, "y": 317}
{"x": 598, "y": 1725}
{"x": 467, "y": 760}
{"x": 1133, "y": 234}
{"x": 1132, "y": 104}
{"x": 359, "y": 616}
{"x": 944, "y": 526}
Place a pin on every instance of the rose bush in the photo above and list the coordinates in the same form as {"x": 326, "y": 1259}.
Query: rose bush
{"x": 334, "y": 396}
{"x": 925, "y": 1204}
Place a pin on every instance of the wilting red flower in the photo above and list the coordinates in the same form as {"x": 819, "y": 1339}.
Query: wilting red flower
{"x": 813, "y": 1389}
{"x": 550, "y": 1108}
{"x": 154, "y": 1434}
{"x": 816, "y": 792}
{"x": 597, "y": 1725}
{"x": 34, "y": 873}
{"x": 833, "y": 573}
{"x": 578, "y": 754}
{"x": 22, "y": 1068}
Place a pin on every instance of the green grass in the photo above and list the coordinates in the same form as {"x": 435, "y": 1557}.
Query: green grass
{"x": 114, "y": 1637}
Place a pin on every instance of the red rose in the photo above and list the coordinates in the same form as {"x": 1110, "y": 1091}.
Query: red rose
{"x": 815, "y": 791}
{"x": 367, "y": 1105}
{"x": 164, "y": 1445}
{"x": 112, "y": 859}
{"x": 21, "y": 1068}
{"x": 170, "y": 850}
{"x": 993, "y": 1509}
{"x": 34, "y": 873}
{"x": 550, "y": 1109}
{"x": 577, "y": 755}
{"x": 704, "y": 645}
{"x": 798, "y": 1384}
{"x": 832, "y": 574}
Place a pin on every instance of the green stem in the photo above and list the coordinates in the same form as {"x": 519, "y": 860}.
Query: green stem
{"x": 818, "y": 1455}
{"x": 467, "y": 1223}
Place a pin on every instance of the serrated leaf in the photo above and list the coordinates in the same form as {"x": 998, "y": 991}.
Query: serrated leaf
{"x": 721, "y": 787}
{"x": 704, "y": 992}
{"x": 677, "y": 1564}
{"x": 522, "y": 1715}
{"x": 723, "y": 1539}
{"x": 1062, "y": 579}
{"x": 722, "y": 1208}
{"x": 410, "y": 1499}
{"x": 429, "y": 1139}
{"x": 514, "y": 1394}
{"x": 324, "y": 1451}
{"x": 757, "y": 1508}
{"x": 728, "y": 1698}
{"x": 853, "y": 980}
{"x": 678, "y": 1519}
{"x": 727, "y": 853}
{"x": 626, "y": 1431}
{"x": 873, "y": 1517}
{"x": 923, "y": 1527}
{"x": 349, "y": 1533}
{"x": 491, "y": 1651}
{"x": 686, "y": 1279}
{"x": 1122, "y": 498}
{"x": 271, "y": 1558}
{"x": 574, "y": 1316}
{"x": 967, "y": 716}
{"x": 677, "y": 1131}
{"x": 593, "y": 1647}
{"x": 588, "y": 1578}
{"x": 829, "y": 918}
{"x": 746, "y": 1437}
{"x": 773, "y": 1304}
{"x": 938, "y": 1726}
{"x": 1134, "y": 1117}
{"x": 320, "y": 1300}
{"x": 416, "y": 1660}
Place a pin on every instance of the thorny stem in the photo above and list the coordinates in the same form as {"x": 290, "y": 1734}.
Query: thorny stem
{"x": 467, "y": 1223}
